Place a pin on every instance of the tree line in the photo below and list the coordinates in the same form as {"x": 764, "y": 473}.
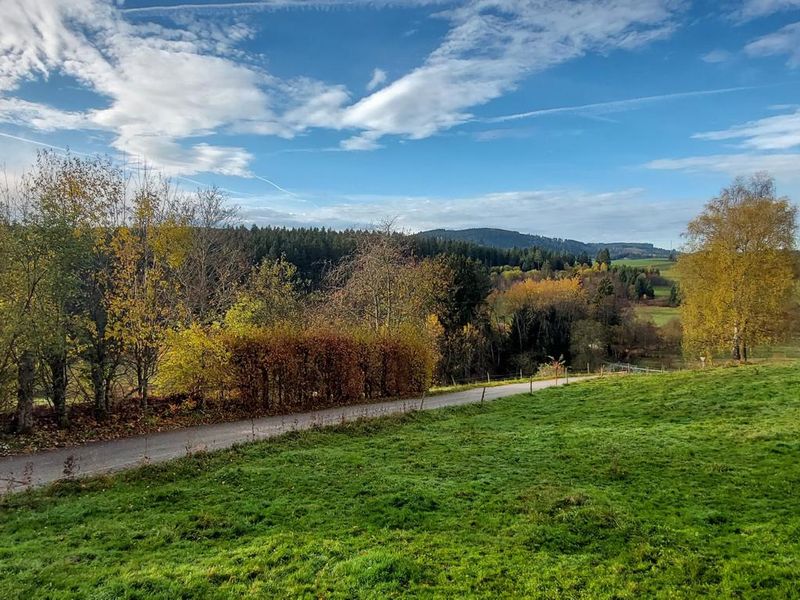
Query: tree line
{"x": 118, "y": 286}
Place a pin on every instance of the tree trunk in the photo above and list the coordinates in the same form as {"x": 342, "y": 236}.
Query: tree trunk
{"x": 57, "y": 363}
{"x": 142, "y": 385}
{"x": 26, "y": 376}
{"x": 735, "y": 353}
{"x": 99, "y": 389}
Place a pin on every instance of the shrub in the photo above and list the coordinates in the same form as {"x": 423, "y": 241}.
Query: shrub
{"x": 286, "y": 369}
{"x": 195, "y": 364}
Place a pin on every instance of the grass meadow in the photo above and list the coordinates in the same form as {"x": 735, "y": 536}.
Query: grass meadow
{"x": 675, "y": 485}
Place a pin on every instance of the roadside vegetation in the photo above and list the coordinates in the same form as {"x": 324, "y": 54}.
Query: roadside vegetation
{"x": 641, "y": 486}
{"x": 130, "y": 305}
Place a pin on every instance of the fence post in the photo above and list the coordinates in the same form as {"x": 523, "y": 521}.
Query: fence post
{"x": 566, "y": 374}
{"x": 531, "y": 384}
{"x": 483, "y": 394}
{"x": 488, "y": 377}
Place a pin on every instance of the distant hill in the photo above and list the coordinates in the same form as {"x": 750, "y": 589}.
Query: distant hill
{"x": 502, "y": 238}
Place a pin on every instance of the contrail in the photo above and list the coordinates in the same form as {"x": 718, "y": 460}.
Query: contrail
{"x": 194, "y": 181}
{"x": 628, "y": 102}
{"x": 219, "y": 187}
{"x": 271, "y": 5}
{"x": 275, "y": 185}
{"x": 211, "y": 6}
{"x": 37, "y": 143}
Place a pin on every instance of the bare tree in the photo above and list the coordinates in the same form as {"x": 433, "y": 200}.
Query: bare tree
{"x": 216, "y": 263}
{"x": 382, "y": 284}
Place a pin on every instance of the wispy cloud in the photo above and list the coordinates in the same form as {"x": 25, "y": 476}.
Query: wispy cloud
{"x": 148, "y": 114}
{"x": 378, "y": 78}
{"x": 785, "y": 41}
{"x": 169, "y": 121}
{"x": 491, "y": 46}
{"x": 613, "y": 105}
{"x": 779, "y": 132}
{"x": 784, "y": 166}
{"x": 22, "y": 165}
{"x": 761, "y": 137}
{"x": 752, "y": 9}
{"x": 716, "y": 56}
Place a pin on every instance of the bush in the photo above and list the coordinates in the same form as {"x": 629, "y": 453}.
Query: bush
{"x": 196, "y": 363}
{"x": 285, "y": 369}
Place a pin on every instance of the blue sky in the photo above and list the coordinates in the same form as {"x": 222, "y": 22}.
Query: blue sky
{"x": 599, "y": 120}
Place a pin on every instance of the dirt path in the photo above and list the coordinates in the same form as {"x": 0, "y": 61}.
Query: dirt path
{"x": 31, "y": 470}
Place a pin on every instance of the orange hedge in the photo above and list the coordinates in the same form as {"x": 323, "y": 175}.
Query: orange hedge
{"x": 289, "y": 370}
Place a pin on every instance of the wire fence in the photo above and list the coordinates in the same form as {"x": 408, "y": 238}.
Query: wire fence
{"x": 563, "y": 372}
{"x": 628, "y": 368}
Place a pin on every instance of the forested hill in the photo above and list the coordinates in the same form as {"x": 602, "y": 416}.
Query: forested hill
{"x": 313, "y": 250}
{"x": 502, "y": 238}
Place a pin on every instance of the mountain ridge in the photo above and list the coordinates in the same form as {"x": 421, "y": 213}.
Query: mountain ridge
{"x": 507, "y": 239}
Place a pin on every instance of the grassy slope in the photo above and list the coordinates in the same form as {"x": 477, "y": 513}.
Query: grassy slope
{"x": 670, "y": 485}
{"x": 660, "y": 315}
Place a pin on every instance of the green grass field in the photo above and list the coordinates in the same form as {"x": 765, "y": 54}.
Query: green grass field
{"x": 665, "y": 267}
{"x": 660, "y": 315}
{"x": 677, "y": 485}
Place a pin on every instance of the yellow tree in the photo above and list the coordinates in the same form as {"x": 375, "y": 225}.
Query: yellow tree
{"x": 144, "y": 305}
{"x": 738, "y": 271}
{"x": 271, "y": 296}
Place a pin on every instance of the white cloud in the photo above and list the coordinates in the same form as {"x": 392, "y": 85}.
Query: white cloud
{"x": 491, "y": 46}
{"x": 378, "y": 78}
{"x": 784, "y": 166}
{"x": 625, "y": 214}
{"x": 162, "y": 85}
{"x": 365, "y": 141}
{"x": 19, "y": 112}
{"x": 176, "y": 159}
{"x": 716, "y": 56}
{"x": 762, "y": 137}
{"x": 161, "y": 88}
{"x": 784, "y": 41}
{"x": 752, "y": 9}
{"x": 779, "y": 132}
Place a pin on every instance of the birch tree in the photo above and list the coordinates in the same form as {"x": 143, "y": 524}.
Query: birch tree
{"x": 738, "y": 270}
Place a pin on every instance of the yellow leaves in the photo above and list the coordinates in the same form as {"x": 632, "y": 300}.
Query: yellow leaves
{"x": 540, "y": 294}
{"x": 434, "y": 327}
{"x": 171, "y": 242}
{"x": 738, "y": 280}
{"x": 196, "y": 362}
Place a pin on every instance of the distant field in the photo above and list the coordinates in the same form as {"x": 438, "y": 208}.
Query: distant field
{"x": 664, "y": 486}
{"x": 666, "y": 267}
{"x": 660, "y": 315}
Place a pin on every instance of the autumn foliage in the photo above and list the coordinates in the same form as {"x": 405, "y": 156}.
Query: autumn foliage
{"x": 287, "y": 369}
